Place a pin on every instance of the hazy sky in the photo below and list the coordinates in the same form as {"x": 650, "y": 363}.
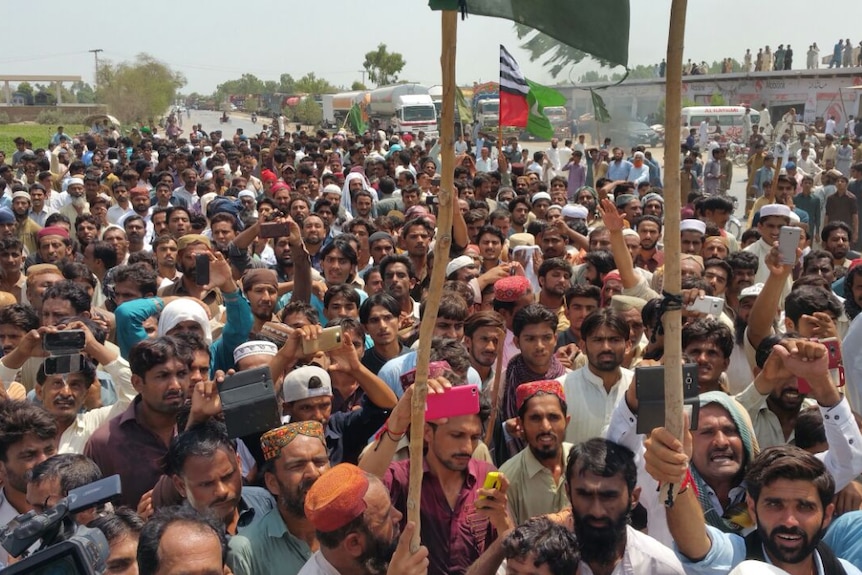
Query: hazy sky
{"x": 217, "y": 40}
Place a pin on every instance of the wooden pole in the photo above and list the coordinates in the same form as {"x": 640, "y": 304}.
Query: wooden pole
{"x": 495, "y": 391}
{"x": 438, "y": 274}
{"x": 672, "y": 320}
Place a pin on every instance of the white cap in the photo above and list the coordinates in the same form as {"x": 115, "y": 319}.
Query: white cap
{"x": 631, "y": 232}
{"x": 250, "y": 348}
{"x": 305, "y": 382}
{"x": 458, "y": 263}
{"x": 794, "y": 218}
{"x": 331, "y": 189}
{"x": 639, "y": 155}
{"x": 73, "y": 181}
{"x": 208, "y": 149}
{"x": 540, "y": 196}
{"x": 751, "y": 291}
{"x": 692, "y": 225}
{"x": 752, "y": 567}
{"x": 775, "y": 210}
{"x": 575, "y": 211}
{"x": 245, "y": 194}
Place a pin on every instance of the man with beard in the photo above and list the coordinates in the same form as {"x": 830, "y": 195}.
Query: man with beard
{"x": 603, "y": 381}
{"x": 399, "y": 279}
{"x": 55, "y": 246}
{"x": 535, "y": 474}
{"x": 416, "y": 236}
{"x": 836, "y": 238}
{"x": 791, "y": 497}
{"x": 555, "y": 278}
{"x": 708, "y": 343}
{"x": 205, "y": 469}
{"x": 650, "y": 257}
{"x": 189, "y": 246}
{"x": 520, "y": 210}
{"x": 134, "y": 443}
{"x": 27, "y": 438}
{"x": 552, "y": 241}
{"x": 260, "y": 287}
{"x": 26, "y": 227}
{"x": 358, "y": 528}
{"x": 74, "y": 202}
{"x": 282, "y": 540}
{"x": 314, "y": 236}
{"x": 744, "y": 267}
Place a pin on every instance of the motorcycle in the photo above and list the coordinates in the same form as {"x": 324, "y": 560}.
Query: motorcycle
{"x": 224, "y": 119}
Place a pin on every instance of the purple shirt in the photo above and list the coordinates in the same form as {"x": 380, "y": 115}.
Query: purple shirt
{"x": 455, "y": 538}
{"x": 577, "y": 178}
{"x": 122, "y": 445}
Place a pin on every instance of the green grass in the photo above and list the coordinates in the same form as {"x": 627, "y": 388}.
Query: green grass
{"x": 39, "y": 134}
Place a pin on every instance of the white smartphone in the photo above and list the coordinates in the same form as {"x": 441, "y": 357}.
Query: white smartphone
{"x": 708, "y": 304}
{"x": 788, "y": 241}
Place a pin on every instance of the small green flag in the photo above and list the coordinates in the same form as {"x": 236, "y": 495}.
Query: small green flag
{"x": 538, "y": 98}
{"x": 465, "y": 114}
{"x": 600, "y": 113}
{"x": 597, "y": 28}
{"x": 354, "y": 118}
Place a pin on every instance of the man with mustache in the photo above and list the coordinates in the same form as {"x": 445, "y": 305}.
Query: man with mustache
{"x": 134, "y": 443}
{"x": 535, "y": 474}
{"x": 357, "y": 528}
{"x": 283, "y": 540}
{"x": 205, "y": 469}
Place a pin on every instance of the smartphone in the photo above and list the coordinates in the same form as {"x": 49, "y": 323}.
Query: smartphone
{"x": 249, "y": 402}
{"x": 650, "y": 393}
{"x": 833, "y": 349}
{"x": 454, "y": 402}
{"x": 66, "y": 342}
{"x": 431, "y": 200}
{"x": 329, "y": 339}
{"x": 202, "y": 269}
{"x": 788, "y": 241}
{"x": 435, "y": 369}
{"x": 274, "y": 230}
{"x": 708, "y": 304}
{"x": 492, "y": 481}
{"x": 62, "y": 364}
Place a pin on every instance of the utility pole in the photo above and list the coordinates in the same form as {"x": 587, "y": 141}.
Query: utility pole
{"x": 363, "y": 72}
{"x": 96, "y": 77}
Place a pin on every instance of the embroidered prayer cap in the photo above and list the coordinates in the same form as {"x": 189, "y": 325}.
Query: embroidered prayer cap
{"x": 575, "y": 211}
{"x": 621, "y": 200}
{"x": 627, "y": 302}
{"x": 521, "y": 239}
{"x": 250, "y": 348}
{"x": 306, "y": 382}
{"x": 52, "y": 231}
{"x": 750, "y": 291}
{"x": 692, "y": 225}
{"x": 653, "y": 196}
{"x": 275, "y": 332}
{"x": 189, "y": 239}
{"x": 511, "y": 288}
{"x": 458, "y": 263}
{"x": 337, "y": 498}
{"x": 526, "y": 391}
{"x": 139, "y": 191}
{"x": 774, "y": 210}
{"x": 540, "y": 196}
{"x": 274, "y": 440}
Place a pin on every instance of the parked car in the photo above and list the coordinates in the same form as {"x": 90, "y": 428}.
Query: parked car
{"x": 634, "y": 133}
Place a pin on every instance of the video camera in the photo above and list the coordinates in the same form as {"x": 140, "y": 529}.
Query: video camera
{"x": 67, "y": 548}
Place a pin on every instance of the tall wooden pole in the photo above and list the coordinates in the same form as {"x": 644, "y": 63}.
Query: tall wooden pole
{"x": 438, "y": 274}
{"x": 672, "y": 320}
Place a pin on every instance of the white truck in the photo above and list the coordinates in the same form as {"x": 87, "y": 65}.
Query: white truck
{"x": 404, "y": 108}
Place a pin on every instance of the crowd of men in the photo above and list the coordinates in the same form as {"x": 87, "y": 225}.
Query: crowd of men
{"x": 184, "y": 260}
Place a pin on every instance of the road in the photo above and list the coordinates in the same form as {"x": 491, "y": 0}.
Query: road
{"x": 210, "y": 121}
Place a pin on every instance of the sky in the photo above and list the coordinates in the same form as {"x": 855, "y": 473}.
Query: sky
{"x": 214, "y": 41}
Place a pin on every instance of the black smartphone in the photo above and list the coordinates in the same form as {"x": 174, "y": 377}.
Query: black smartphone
{"x": 62, "y": 364}
{"x": 274, "y": 230}
{"x": 66, "y": 342}
{"x": 202, "y": 269}
{"x": 650, "y": 392}
{"x": 249, "y": 402}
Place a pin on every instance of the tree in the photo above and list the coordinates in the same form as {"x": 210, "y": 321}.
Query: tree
{"x": 717, "y": 99}
{"x": 592, "y": 77}
{"x": 311, "y": 84}
{"x": 558, "y": 56}
{"x": 286, "y": 84}
{"x": 138, "y": 91}
{"x": 382, "y": 66}
{"x": 357, "y": 85}
{"x": 308, "y": 112}
{"x": 25, "y": 88}
{"x": 83, "y": 93}
{"x": 245, "y": 85}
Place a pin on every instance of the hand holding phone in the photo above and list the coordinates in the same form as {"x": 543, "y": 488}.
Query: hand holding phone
{"x": 453, "y": 402}
{"x": 788, "y": 241}
{"x": 492, "y": 481}
{"x": 709, "y": 305}
{"x": 328, "y": 339}
{"x": 202, "y": 269}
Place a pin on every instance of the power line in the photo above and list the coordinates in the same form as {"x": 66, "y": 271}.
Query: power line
{"x": 96, "y": 76}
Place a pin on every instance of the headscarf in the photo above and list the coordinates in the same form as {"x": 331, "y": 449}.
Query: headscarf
{"x": 736, "y": 518}
{"x": 181, "y": 310}
{"x": 346, "y": 201}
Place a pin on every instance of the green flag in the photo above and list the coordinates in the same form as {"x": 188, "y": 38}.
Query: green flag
{"x": 465, "y": 114}
{"x": 538, "y": 98}
{"x": 600, "y": 113}
{"x": 354, "y": 118}
{"x": 597, "y": 28}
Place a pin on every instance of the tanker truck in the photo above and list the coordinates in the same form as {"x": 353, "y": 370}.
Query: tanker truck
{"x": 403, "y": 108}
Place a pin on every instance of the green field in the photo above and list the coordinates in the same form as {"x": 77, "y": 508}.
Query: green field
{"x": 39, "y": 134}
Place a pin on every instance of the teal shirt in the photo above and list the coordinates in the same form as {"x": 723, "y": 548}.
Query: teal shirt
{"x": 267, "y": 548}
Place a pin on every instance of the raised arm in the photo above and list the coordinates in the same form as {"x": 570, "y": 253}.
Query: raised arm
{"x": 766, "y": 305}
{"x": 622, "y": 257}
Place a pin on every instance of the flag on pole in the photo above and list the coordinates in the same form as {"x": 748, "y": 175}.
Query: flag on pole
{"x": 514, "y": 110}
{"x": 597, "y": 28}
{"x": 600, "y": 113}
{"x": 522, "y": 101}
{"x": 465, "y": 114}
{"x": 354, "y": 118}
